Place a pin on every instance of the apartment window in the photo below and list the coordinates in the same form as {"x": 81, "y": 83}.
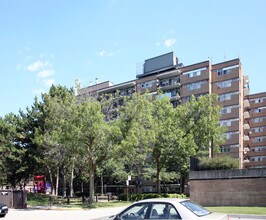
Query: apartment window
{"x": 226, "y": 96}
{"x": 258, "y": 129}
{"x": 172, "y": 92}
{"x": 228, "y": 122}
{"x": 221, "y": 72}
{"x": 260, "y": 148}
{"x": 257, "y": 100}
{"x": 145, "y": 85}
{"x": 258, "y": 139}
{"x": 196, "y": 85}
{"x": 257, "y": 159}
{"x": 194, "y": 73}
{"x": 225, "y": 149}
{"x": 226, "y": 70}
{"x": 228, "y": 135}
{"x": 226, "y": 84}
{"x": 228, "y": 109}
{"x": 258, "y": 119}
{"x": 170, "y": 81}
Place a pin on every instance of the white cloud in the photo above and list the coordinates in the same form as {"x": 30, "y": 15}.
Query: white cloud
{"x": 169, "y": 42}
{"x": 102, "y": 53}
{"x": 45, "y": 73}
{"x": 49, "y": 82}
{"x": 109, "y": 54}
{"x": 35, "y": 66}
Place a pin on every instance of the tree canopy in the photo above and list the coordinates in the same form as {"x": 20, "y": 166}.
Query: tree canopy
{"x": 139, "y": 135}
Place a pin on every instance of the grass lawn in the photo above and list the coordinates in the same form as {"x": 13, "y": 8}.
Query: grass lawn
{"x": 239, "y": 210}
{"x": 35, "y": 199}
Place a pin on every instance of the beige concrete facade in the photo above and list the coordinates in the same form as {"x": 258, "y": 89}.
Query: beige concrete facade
{"x": 226, "y": 79}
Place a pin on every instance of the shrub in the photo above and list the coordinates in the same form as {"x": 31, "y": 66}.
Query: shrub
{"x": 219, "y": 163}
{"x": 137, "y": 197}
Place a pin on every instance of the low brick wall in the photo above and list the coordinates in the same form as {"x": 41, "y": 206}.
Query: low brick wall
{"x": 246, "y": 187}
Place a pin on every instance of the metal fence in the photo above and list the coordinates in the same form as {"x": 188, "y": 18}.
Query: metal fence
{"x": 16, "y": 199}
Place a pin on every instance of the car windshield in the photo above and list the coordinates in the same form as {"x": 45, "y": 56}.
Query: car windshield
{"x": 195, "y": 208}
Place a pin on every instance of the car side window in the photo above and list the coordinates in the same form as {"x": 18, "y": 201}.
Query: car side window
{"x": 163, "y": 211}
{"x": 134, "y": 212}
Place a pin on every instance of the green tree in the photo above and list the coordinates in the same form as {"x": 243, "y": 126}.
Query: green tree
{"x": 163, "y": 150}
{"x": 197, "y": 122}
{"x": 135, "y": 122}
{"x": 95, "y": 137}
{"x": 56, "y": 137}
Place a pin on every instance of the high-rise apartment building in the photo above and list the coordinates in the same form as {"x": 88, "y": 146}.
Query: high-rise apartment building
{"x": 256, "y": 155}
{"x": 179, "y": 82}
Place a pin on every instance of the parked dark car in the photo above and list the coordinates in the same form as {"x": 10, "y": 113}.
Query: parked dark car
{"x": 3, "y": 210}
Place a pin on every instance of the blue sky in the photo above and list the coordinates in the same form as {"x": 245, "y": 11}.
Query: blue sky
{"x": 56, "y": 42}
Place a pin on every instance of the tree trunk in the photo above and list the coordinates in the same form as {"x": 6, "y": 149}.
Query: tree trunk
{"x": 158, "y": 181}
{"x": 64, "y": 186}
{"x": 51, "y": 181}
{"x": 92, "y": 178}
{"x": 57, "y": 181}
{"x": 72, "y": 179}
{"x": 102, "y": 184}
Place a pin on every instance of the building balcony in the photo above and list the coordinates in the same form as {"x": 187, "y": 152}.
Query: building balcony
{"x": 172, "y": 96}
{"x": 246, "y": 103}
{"x": 175, "y": 97}
{"x": 246, "y": 126}
{"x": 168, "y": 86}
{"x": 246, "y": 91}
{"x": 246, "y": 115}
{"x": 246, "y": 138}
{"x": 246, "y": 161}
{"x": 169, "y": 74}
{"x": 246, "y": 150}
{"x": 246, "y": 80}
{"x": 119, "y": 87}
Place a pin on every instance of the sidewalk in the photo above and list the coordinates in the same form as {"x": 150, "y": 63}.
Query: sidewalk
{"x": 242, "y": 216}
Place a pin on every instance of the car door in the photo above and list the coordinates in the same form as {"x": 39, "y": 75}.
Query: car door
{"x": 136, "y": 211}
{"x": 162, "y": 210}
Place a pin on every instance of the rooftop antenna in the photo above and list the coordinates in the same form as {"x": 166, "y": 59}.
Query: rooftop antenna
{"x": 224, "y": 56}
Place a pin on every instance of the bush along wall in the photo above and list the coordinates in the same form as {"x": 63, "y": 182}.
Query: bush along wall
{"x": 218, "y": 163}
{"x": 137, "y": 197}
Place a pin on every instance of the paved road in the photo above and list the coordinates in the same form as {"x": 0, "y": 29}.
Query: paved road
{"x": 31, "y": 214}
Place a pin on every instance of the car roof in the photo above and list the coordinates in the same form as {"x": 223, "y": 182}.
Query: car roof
{"x": 164, "y": 200}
